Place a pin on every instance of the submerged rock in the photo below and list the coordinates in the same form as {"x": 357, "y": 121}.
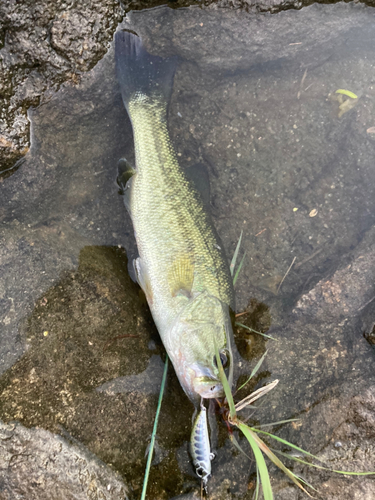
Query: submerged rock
{"x": 93, "y": 329}
{"x": 46, "y": 44}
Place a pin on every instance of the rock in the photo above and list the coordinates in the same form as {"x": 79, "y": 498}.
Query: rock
{"x": 349, "y": 291}
{"x": 45, "y": 44}
{"x": 89, "y": 328}
{"x": 147, "y": 382}
{"x": 38, "y": 465}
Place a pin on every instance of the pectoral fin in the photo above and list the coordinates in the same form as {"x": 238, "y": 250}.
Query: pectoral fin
{"x": 124, "y": 172}
{"x": 124, "y": 180}
{"x": 143, "y": 279}
{"x": 181, "y": 276}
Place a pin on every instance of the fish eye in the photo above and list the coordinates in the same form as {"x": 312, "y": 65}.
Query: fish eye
{"x": 223, "y": 359}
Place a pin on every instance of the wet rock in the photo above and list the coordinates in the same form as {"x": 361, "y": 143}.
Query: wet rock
{"x": 267, "y": 5}
{"x": 349, "y": 291}
{"x": 101, "y": 335}
{"x": 38, "y": 465}
{"x": 44, "y": 44}
{"x": 147, "y": 382}
{"x": 92, "y": 328}
{"x": 269, "y": 43}
{"x": 356, "y": 451}
{"x": 189, "y": 496}
{"x": 322, "y": 344}
{"x": 362, "y": 414}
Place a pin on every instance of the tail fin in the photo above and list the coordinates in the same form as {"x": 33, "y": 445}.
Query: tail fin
{"x": 140, "y": 72}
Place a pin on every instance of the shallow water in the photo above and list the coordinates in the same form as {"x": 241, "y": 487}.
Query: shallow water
{"x": 291, "y": 165}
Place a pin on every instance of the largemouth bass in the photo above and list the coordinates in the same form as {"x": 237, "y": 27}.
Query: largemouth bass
{"x": 181, "y": 267}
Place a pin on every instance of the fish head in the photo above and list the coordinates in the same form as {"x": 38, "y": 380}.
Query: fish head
{"x": 204, "y": 326}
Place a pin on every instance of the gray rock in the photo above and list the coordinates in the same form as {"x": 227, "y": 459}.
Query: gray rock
{"x": 46, "y": 44}
{"x": 38, "y": 465}
{"x": 43, "y": 45}
{"x": 147, "y": 382}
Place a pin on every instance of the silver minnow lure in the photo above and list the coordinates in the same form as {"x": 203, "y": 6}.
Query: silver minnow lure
{"x": 200, "y": 447}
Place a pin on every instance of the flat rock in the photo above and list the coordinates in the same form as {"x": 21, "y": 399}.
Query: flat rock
{"x": 38, "y": 465}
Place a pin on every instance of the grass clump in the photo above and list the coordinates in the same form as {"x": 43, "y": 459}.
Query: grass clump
{"x": 259, "y": 447}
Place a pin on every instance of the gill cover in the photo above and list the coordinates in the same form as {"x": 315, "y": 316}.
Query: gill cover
{"x": 203, "y": 323}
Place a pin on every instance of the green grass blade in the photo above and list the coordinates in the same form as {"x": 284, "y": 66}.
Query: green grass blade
{"x": 256, "y": 492}
{"x": 347, "y": 92}
{"x": 239, "y": 270}
{"x": 224, "y": 381}
{"x": 153, "y": 436}
{"x": 261, "y": 464}
{"x": 262, "y": 446}
{"x": 254, "y": 331}
{"x": 280, "y": 422}
{"x": 237, "y": 445}
{"x": 302, "y": 480}
{"x": 258, "y": 365}
{"x": 291, "y": 445}
{"x": 347, "y": 473}
{"x": 254, "y": 372}
{"x": 235, "y": 255}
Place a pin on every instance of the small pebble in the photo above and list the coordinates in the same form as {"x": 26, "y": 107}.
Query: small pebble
{"x": 152, "y": 345}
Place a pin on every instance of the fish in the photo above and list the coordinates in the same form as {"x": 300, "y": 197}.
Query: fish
{"x": 200, "y": 447}
{"x": 181, "y": 268}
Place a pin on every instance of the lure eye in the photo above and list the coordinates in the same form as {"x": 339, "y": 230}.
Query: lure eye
{"x": 223, "y": 359}
{"x": 200, "y": 471}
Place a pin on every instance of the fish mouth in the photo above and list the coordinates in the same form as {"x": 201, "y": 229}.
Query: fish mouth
{"x": 208, "y": 387}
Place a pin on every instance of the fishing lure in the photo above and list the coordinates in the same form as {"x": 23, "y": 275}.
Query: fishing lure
{"x": 200, "y": 447}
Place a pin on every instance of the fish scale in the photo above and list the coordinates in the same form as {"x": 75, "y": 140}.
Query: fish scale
{"x": 176, "y": 218}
